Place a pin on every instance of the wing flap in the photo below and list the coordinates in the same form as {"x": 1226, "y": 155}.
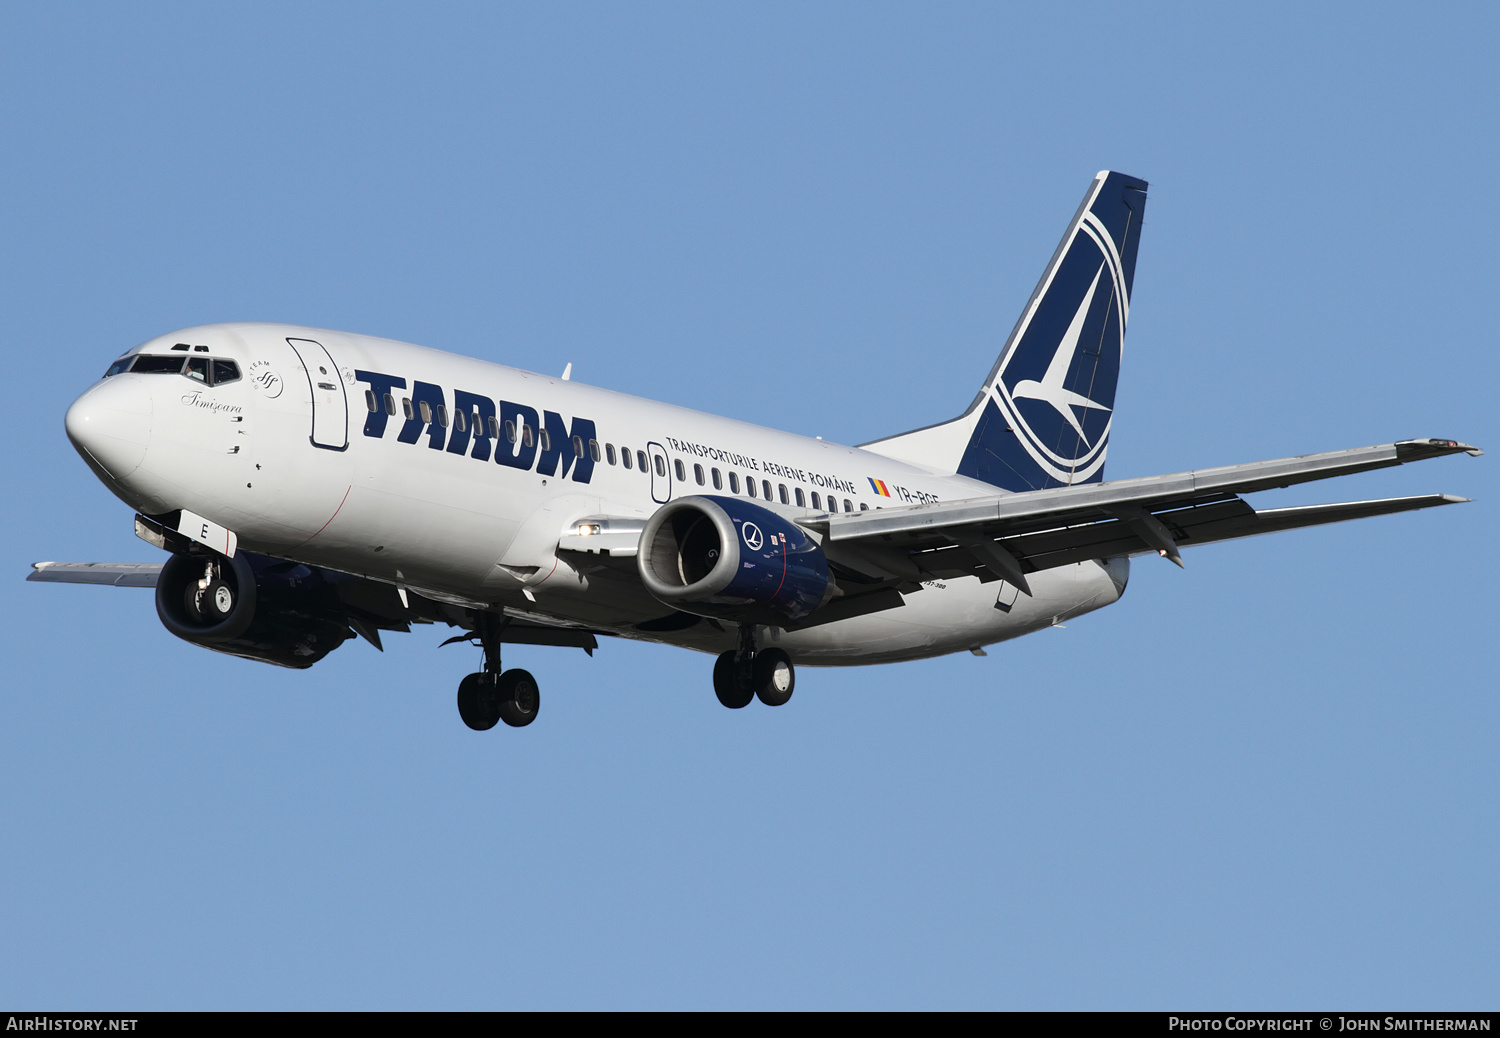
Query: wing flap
{"x": 1188, "y": 527}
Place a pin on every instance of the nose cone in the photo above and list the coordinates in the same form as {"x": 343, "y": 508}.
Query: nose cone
{"x": 110, "y": 425}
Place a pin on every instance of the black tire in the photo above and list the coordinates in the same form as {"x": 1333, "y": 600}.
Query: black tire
{"x": 479, "y": 701}
{"x": 775, "y": 677}
{"x": 729, "y": 686}
{"x": 519, "y": 698}
{"x": 211, "y": 605}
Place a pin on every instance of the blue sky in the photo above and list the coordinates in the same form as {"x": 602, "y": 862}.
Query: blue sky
{"x": 1268, "y": 781}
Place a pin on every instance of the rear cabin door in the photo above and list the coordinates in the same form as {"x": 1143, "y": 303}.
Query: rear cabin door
{"x": 330, "y": 404}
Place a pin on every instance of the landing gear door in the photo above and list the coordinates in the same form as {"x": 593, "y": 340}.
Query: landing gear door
{"x": 661, "y": 473}
{"x": 330, "y": 405}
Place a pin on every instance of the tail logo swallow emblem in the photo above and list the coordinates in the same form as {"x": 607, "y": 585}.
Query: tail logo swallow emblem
{"x": 1050, "y": 389}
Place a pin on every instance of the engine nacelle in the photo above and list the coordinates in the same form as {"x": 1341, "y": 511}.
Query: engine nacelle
{"x": 727, "y": 558}
{"x": 252, "y": 606}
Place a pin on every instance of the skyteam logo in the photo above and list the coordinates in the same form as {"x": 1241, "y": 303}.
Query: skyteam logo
{"x": 1048, "y": 410}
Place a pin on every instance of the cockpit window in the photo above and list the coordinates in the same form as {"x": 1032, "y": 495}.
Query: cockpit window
{"x": 209, "y": 370}
{"x": 148, "y": 365}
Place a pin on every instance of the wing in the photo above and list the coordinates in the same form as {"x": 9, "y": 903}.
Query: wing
{"x": 120, "y": 574}
{"x": 1007, "y": 536}
{"x": 368, "y": 606}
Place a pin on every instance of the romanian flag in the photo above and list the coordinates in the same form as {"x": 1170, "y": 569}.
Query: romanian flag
{"x": 879, "y": 487}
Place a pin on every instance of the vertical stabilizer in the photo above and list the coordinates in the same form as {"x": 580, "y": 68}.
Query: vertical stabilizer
{"x": 1042, "y": 417}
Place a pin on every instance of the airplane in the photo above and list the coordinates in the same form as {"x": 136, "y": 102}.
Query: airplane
{"x": 313, "y": 486}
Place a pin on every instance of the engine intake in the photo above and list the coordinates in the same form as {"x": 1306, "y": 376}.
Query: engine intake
{"x": 727, "y": 558}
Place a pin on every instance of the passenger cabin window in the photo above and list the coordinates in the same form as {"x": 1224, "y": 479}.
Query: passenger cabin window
{"x": 718, "y": 480}
{"x": 390, "y": 404}
{"x": 594, "y": 451}
{"x": 801, "y": 501}
{"x": 817, "y": 501}
{"x": 640, "y": 460}
{"x": 661, "y": 465}
{"x": 681, "y": 471}
{"x": 698, "y": 474}
{"x": 781, "y": 492}
{"x": 495, "y": 428}
{"x": 426, "y": 412}
{"x": 510, "y": 432}
{"x": 848, "y": 506}
{"x": 609, "y": 452}
{"x": 625, "y": 456}
{"x": 406, "y": 408}
{"x": 750, "y": 487}
{"x": 734, "y": 482}
{"x": 546, "y": 440}
{"x": 528, "y": 436}
{"x": 765, "y": 485}
{"x": 459, "y": 422}
{"x": 863, "y": 507}
{"x": 370, "y": 401}
{"x": 578, "y": 446}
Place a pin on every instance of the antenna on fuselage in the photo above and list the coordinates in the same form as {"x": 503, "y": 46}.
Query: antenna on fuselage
{"x": 568, "y": 371}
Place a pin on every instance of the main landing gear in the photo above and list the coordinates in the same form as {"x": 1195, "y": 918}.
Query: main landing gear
{"x": 744, "y": 674}
{"x": 494, "y": 695}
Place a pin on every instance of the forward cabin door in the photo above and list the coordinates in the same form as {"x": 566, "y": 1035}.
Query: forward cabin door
{"x": 330, "y": 404}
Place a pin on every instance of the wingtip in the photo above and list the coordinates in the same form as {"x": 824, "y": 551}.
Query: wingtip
{"x": 1433, "y": 447}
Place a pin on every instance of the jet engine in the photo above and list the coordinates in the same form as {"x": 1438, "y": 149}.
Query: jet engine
{"x": 252, "y": 606}
{"x": 727, "y": 558}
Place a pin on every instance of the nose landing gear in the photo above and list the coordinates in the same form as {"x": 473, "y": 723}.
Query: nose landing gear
{"x": 212, "y": 598}
{"x": 494, "y": 695}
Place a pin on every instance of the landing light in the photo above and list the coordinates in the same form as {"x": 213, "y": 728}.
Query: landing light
{"x": 587, "y": 529}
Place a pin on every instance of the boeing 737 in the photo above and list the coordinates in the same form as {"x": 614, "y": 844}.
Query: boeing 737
{"x": 311, "y": 486}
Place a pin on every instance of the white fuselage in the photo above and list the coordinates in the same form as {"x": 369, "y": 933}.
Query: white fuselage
{"x": 291, "y": 458}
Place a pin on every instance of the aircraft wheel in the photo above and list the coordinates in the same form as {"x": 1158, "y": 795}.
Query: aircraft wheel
{"x": 775, "y": 677}
{"x": 212, "y": 604}
{"x": 479, "y": 701}
{"x": 733, "y": 691}
{"x": 519, "y": 698}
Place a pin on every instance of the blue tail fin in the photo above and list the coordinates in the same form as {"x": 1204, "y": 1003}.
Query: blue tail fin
{"x": 1042, "y": 417}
